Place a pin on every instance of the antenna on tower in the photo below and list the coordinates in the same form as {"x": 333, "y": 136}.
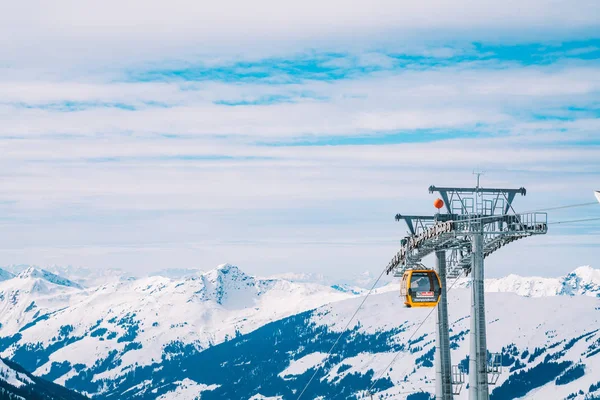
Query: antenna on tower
{"x": 478, "y": 173}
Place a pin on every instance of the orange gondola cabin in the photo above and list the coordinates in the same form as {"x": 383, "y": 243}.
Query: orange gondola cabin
{"x": 420, "y": 288}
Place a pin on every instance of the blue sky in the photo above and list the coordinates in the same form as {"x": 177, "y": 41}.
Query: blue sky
{"x": 287, "y": 137}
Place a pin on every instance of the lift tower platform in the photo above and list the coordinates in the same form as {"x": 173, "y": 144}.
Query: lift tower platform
{"x": 477, "y": 222}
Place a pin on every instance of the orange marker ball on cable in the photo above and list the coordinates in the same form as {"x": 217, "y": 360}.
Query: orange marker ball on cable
{"x": 438, "y": 203}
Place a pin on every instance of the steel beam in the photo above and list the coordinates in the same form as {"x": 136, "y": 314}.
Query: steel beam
{"x": 478, "y": 379}
{"x": 520, "y": 191}
{"x": 443, "y": 365}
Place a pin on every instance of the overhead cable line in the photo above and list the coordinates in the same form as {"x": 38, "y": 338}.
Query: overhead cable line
{"x": 398, "y": 353}
{"x": 409, "y": 339}
{"x": 568, "y": 206}
{"x": 574, "y": 221}
{"x": 341, "y": 333}
{"x": 530, "y": 211}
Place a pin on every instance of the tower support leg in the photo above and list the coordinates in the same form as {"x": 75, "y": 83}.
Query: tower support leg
{"x": 443, "y": 364}
{"x": 478, "y": 379}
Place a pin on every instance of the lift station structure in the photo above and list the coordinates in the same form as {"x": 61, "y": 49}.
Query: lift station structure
{"x": 476, "y": 222}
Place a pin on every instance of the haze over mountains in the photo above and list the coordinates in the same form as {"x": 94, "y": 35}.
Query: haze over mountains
{"x": 582, "y": 280}
{"x": 137, "y": 337}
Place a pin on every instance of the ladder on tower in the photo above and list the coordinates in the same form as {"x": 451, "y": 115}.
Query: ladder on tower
{"x": 494, "y": 368}
{"x": 458, "y": 379}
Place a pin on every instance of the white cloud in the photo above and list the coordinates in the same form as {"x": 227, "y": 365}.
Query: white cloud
{"x": 452, "y": 97}
{"x": 275, "y": 207}
{"x": 75, "y": 32}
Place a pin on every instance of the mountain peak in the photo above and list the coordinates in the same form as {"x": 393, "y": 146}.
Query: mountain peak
{"x": 38, "y": 273}
{"x": 587, "y": 273}
{"x": 228, "y": 272}
{"x": 228, "y": 285}
{"x": 5, "y": 275}
{"x": 583, "y": 280}
{"x": 29, "y": 272}
{"x": 227, "y": 267}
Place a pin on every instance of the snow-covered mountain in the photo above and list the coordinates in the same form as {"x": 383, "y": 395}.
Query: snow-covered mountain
{"x": 582, "y": 281}
{"x": 86, "y": 277}
{"x": 18, "y": 384}
{"x": 177, "y": 273}
{"x": 5, "y": 275}
{"x": 34, "y": 295}
{"x": 357, "y": 283}
{"x": 43, "y": 275}
{"x": 47, "y": 324}
{"x": 227, "y": 334}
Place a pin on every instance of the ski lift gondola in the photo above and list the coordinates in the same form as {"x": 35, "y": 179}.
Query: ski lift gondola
{"x": 420, "y": 287}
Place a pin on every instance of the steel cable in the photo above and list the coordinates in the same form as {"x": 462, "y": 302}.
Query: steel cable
{"x": 409, "y": 339}
{"x": 341, "y": 334}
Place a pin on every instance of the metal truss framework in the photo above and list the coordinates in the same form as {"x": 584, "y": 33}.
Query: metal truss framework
{"x": 478, "y": 221}
{"x": 454, "y": 230}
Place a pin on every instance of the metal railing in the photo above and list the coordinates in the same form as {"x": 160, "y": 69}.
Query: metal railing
{"x": 499, "y": 230}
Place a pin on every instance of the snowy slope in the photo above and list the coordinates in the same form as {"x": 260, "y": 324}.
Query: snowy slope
{"x": 562, "y": 329}
{"x": 582, "y": 281}
{"x": 85, "y": 277}
{"x": 550, "y": 348}
{"x": 33, "y": 295}
{"x": 5, "y": 275}
{"x": 47, "y": 325}
{"x": 42, "y": 274}
{"x": 12, "y": 376}
{"x": 16, "y": 383}
{"x": 145, "y": 338}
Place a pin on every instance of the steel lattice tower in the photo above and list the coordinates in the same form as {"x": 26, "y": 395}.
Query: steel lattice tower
{"x": 477, "y": 222}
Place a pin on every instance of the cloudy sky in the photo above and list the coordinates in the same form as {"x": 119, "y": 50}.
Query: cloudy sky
{"x": 284, "y": 136}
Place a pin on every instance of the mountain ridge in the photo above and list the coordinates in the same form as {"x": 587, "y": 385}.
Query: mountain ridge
{"x": 58, "y": 324}
{"x": 94, "y": 339}
{"x": 583, "y": 280}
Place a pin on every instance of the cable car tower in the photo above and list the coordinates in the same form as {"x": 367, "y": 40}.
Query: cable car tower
{"x": 476, "y": 222}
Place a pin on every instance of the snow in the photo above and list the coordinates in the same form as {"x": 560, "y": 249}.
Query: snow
{"x": 85, "y": 277}
{"x": 532, "y": 287}
{"x": 5, "y": 275}
{"x": 302, "y": 277}
{"x": 358, "y": 283}
{"x": 526, "y": 322}
{"x": 187, "y": 389}
{"x": 357, "y": 364}
{"x": 582, "y": 281}
{"x": 42, "y": 274}
{"x": 25, "y": 296}
{"x": 202, "y": 311}
{"x": 177, "y": 273}
{"x": 13, "y": 377}
{"x": 214, "y": 306}
{"x": 588, "y": 274}
{"x": 300, "y": 366}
